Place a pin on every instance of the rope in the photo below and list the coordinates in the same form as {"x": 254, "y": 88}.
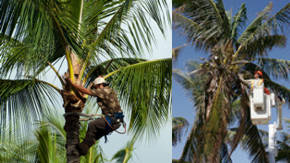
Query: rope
{"x": 123, "y": 124}
{"x": 83, "y": 114}
{"x": 90, "y": 116}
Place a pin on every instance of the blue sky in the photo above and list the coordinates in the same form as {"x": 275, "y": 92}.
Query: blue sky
{"x": 181, "y": 102}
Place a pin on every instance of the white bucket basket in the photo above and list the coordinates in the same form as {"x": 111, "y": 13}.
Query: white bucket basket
{"x": 260, "y": 105}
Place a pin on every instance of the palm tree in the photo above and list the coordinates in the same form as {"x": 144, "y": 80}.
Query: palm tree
{"x": 96, "y": 37}
{"x": 234, "y": 55}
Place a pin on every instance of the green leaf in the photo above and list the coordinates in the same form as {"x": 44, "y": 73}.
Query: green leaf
{"x": 24, "y": 98}
{"x": 124, "y": 155}
{"x": 144, "y": 89}
{"x": 239, "y": 20}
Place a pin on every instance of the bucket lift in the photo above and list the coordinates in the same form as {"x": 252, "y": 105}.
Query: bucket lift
{"x": 260, "y": 103}
{"x": 260, "y": 106}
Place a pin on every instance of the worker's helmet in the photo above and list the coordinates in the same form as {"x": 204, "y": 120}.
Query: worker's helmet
{"x": 100, "y": 80}
{"x": 259, "y": 73}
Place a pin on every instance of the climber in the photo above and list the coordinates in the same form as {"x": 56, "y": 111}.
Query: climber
{"x": 109, "y": 104}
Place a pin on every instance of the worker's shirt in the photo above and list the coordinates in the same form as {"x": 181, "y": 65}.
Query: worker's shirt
{"x": 107, "y": 100}
{"x": 255, "y": 83}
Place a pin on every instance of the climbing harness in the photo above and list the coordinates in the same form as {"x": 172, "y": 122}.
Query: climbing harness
{"x": 118, "y": 116}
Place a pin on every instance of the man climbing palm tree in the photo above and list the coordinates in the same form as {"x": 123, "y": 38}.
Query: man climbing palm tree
{"x": 109, "y": 104}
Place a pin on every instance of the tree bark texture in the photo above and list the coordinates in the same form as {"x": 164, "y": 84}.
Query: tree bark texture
{"x": 72, "y": 127}
{"x": 73, "y": 105}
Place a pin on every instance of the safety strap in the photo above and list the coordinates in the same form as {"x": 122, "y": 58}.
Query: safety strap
{"x": 108, "y": 122}
{"x": 90, "y": 117}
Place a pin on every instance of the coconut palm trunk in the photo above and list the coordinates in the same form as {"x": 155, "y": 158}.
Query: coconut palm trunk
{"x": 72, "y": 126}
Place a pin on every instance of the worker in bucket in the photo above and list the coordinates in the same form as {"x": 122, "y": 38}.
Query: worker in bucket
{"x": 109, "y": 104}
{"x": 259, "y": 75}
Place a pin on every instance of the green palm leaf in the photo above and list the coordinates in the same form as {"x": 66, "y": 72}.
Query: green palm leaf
{"x": 124, "y": 155}
{"x": 254, "y": 144}
{"x": 278, "y": 68}
{"x": 206, "y": 22}
{"x": 127, "y": 30}
{"x": 94, "y": 70}
{"x": 239, "y": 20}
{"x": 261, "y": 45}
{"x": 24, "y": 97}
{"x": 15, "y": 151}
{"x": 263, "y": 26}
{"x": 144, "y": 89}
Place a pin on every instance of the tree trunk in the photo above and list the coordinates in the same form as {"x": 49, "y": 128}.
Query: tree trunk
{"x": 217, "y": 117}
{"x": 73, "y": 105}
{"x": 72, "y": 127}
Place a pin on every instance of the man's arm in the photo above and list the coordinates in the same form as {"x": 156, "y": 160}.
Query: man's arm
{"x": 80, "y": 88}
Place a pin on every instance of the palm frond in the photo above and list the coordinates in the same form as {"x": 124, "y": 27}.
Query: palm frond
{"x": 278, "y": 89}
{"x": 179, "y": 127}
{"x": 277, "y": 68}
{"x": 210, "y": 22}
{"x": 124, "y": 155}
{"x": 265, "y": 26}
{"x": 48, "y": 149}
{"x": 244, "y": 108}
{"x": 193, "y": 83}
{"x": 253, "y": 28}
{"x": 238, "y": 21}
{"x": 128, "y": 31}
{"x": 284, "y": 148}
{"x": 176, "y": 51}
{"x": 261, "y": 45}
{"x": 41, "y": 27}
{"x": 15, "y": 151}
{"x": 145, "y": 89}
{"x": 254, "y": 144}
{"x": 189, "y": 152}
{"x": 108, "y": 66}
{"x": 24, "y": 97}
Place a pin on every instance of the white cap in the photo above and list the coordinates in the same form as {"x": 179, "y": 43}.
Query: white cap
{"x": 99, "y": 80}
